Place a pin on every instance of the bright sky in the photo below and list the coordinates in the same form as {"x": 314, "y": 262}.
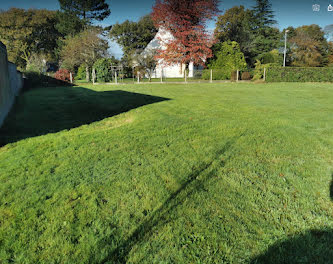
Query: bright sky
{"x": 288, "y": 12}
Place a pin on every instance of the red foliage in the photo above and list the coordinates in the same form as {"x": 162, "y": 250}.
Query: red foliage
{"x": 63, "y": 75}
{"x": 186, "y": 21}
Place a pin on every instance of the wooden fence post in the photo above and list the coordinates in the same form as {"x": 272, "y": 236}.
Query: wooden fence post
{"x": 237, "y": 75}
{"x": 115, "y": 77}
{"x": 71, "y": 77}
{"x": 161, "y": 75}
{"x": 138, "y": 77}
{"x": 211, "y": 75}
{"x": 185, "y": 76}
{"x": 264, "y": 74}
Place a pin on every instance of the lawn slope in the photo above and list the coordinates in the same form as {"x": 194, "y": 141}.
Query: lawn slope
{"x": 197, "y": 173}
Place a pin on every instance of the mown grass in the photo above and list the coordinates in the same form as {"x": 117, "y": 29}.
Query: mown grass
{"x": 198, "y": 173}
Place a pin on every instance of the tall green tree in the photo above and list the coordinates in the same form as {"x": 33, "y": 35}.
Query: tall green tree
{"x": 228, "y": 58}
{"x": 69, "y": 24}
{"x": 88, "y": 10}
{"x": 309, "y": 47}
{"x": 84, "y": 48}
{"x": 133, "y": 36}
{"x": 264, "y": 14}
{"x": 236, "y": 24}
{"x": 27, "y": 32}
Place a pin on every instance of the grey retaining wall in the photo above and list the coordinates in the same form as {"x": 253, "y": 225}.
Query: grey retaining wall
{"x": 11, "y": 82}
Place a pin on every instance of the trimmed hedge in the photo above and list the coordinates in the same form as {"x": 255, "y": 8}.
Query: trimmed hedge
{"x": 297, "y": 74}
{"x": 218, "y": 74}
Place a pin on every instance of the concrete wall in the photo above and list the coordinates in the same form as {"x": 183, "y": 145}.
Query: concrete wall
{"x": 11, "y": 82}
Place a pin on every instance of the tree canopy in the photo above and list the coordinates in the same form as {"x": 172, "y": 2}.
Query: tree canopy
{"x": 229, "y": 56}
{"x": 264, "y": 14}
{"x": 25, "y": 32}
{"x": 86, "y": 47}
{"x": 186, "y": 21}
{"x": 88, "y": 10}
{"x": 133, "y": 36}
{"x": 253, "y": 29}
{"x": 309, "y": 47}
{"x": 236, "y": 24}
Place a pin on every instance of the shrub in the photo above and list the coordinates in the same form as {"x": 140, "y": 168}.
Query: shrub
{"x": 36, "y": 63}
{"x": 258, "y": 72}
{"x": 63, "y": 75}
{"x": 35, "y": 79}
{"x": 103, "y": 69}
{"x": 233, "y": 76}
{"x": 81, "y": 72}
{"x": 218, "y": 74}
{"x": 246, "y": 76}
{"x": 298, "y": 74}
{"x": 228, "y": 56}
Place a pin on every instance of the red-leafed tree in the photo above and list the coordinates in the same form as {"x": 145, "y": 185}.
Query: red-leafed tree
{"x": 186, "y": 21}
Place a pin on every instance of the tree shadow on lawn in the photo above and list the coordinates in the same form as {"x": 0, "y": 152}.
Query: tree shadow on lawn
{"x": 48, "y": 110}
{"x": 196, "y": 182}
{"x": 311, "y": 247}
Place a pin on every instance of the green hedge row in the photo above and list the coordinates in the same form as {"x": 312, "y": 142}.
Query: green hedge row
{"x": 293, "y": 74}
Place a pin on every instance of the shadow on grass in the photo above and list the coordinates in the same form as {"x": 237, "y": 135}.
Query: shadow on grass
{"x": 49, "y": 110}
{"x": 311, "y": 247}
{"x": 166, "y": 213}
{"x": 331, "y": 189}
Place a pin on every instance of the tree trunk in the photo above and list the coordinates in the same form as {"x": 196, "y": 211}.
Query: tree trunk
{"x": 87, "y": 74}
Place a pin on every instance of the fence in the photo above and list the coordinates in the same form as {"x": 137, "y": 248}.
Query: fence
{"x": 10, "y": 83}
{"x": 196, "y": 76}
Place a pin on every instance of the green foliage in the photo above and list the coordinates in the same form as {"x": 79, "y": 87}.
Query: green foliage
{"x": 264, "y": 13}
{"x": 298, "y": 74}
{"x": 81, "y": 72}
{"x": 258, "y": 72}
{"x": 309, "y": 47}
{"x": 27, "y": 32}
{"x": 133, "y": 36}
{"x": 36, "y": 63}
{"x": 86, "y": 47}
{"x": 228, "y": 58}
{"x": 103, "y": 67}
{"x": 236, "y": 24}
{"x": 219, "y": 173}
{"x": 68, "y": 24}
{"x": 272, "y": 57}
{"x": 88, "y": 10}
{"x": 218, "y": 74}
{"x": 264, "y": 41}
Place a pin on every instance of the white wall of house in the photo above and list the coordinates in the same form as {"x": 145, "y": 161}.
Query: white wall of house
{"x": 167, "y": 71}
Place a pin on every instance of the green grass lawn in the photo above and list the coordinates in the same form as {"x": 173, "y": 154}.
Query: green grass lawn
{"x": 197, "y": 173}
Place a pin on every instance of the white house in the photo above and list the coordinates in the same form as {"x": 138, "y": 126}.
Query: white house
{"x": 171, "y": 71}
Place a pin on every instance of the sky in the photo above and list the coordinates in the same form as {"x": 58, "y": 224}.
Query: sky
{"x": 288, "y": 12}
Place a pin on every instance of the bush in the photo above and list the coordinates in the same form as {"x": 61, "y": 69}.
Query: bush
{"x": 228, "y": 56}
{"x": 233, "y": 76}
{"x": 36, "y": 63}
{"x": 35, "y": 79}
{"x": 297, "y": 74}
{"x": 218, "y": 74}
{"x": 246, "y": 76}
{"x": 81, "y": 72}
{"x": 103, "y": 69}
{"x": 258, "y": 72}
{"x": 63, "y": 75}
